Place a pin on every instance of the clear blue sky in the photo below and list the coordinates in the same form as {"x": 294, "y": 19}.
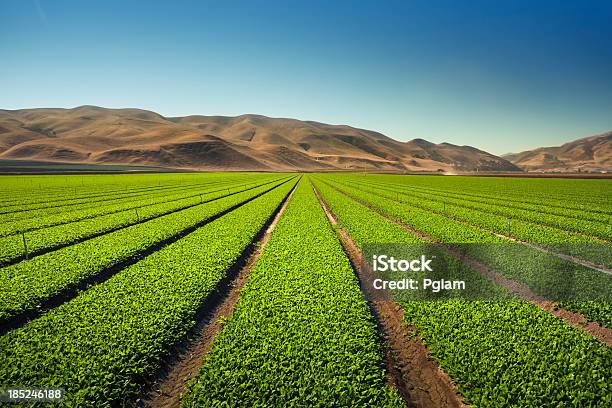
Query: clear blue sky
{"x": 500, "y": 75}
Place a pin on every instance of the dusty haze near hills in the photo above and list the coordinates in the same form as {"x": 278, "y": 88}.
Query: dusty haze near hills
{"x": 95, "y": 135}
{"x": 593, "y": 153}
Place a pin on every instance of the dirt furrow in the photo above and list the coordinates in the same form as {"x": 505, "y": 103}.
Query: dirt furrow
{"x": 186, "y": 358}
{"x": 410, "y": 369}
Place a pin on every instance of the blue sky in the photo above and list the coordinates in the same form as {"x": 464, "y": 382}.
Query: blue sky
{"x": 499, "y": 75}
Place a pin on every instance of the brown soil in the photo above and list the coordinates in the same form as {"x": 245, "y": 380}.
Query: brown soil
{"x": 410, "y": 369}
{"x": 183, "y": 366}
{"x": 576, "y": 320}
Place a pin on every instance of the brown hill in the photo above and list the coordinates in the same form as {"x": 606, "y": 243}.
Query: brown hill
{"x": 90, "y": 134}
{"x": 593, "y": 153}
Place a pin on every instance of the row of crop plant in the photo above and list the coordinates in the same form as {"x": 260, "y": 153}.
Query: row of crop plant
{"x": 18, "y": 246}
{"x": 586, "y": 247}
{"x": 594, "y": 225}
{"x": 103, "y": 345}
{"x": 500, "y": 353}
{"x": 22, "y": 196}
{"x": 543, "y": 273}
{"x": 21, "y": 219}
{"x": 301, "y": 333}
{"x": 28, "y": 283}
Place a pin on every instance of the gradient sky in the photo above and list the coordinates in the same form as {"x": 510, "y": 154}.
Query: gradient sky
{"x": 499, "y": 75}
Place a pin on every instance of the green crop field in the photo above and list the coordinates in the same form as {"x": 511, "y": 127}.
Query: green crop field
{"x": 254, "y": 290}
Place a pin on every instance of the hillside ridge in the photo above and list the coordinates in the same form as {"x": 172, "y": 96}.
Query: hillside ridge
{"x": 590, "y": 153}
{"x": 128, "y": 136}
